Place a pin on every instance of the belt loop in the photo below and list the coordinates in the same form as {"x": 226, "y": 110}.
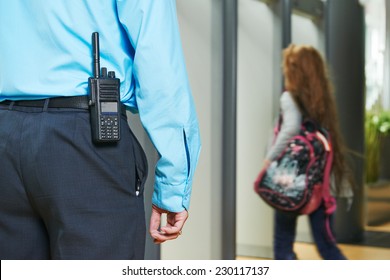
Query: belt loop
{"x": 46, "y": 105}
{"x": 11, "y": 105}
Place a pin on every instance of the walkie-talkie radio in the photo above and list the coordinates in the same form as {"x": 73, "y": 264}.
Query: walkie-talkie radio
{"x": 104, "y": 100}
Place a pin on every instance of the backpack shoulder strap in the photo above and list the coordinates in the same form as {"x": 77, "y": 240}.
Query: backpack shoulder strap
{"x": 330, "y": 202}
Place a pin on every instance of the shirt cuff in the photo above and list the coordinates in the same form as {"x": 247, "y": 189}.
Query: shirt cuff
{"x": 173, "y": 198}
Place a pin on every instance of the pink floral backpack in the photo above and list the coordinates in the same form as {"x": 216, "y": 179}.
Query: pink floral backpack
{"x": 299, "y": 179}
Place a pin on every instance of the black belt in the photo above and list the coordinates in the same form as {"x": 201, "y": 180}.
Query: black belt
{"x": 76, "y": 102}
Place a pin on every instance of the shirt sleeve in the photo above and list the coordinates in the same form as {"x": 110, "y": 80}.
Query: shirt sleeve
{"x": 291, "y": 124}
{"x": 163, "y": 97}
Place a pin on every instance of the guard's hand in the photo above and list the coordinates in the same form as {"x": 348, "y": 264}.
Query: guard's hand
{"x": 172, "y": 230}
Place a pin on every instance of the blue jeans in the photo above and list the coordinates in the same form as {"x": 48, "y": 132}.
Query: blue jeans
{"x": 284, "y": 235}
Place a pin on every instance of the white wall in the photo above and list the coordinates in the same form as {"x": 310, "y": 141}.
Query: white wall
{"x": 308, "y": 32}
{"x": 200, "y": 26}
{"x": 254, "y": 124}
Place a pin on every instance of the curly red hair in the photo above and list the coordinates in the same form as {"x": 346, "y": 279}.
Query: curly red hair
{"x": 306, "y": 78}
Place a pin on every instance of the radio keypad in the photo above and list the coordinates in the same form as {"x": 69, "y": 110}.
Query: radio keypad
{"x": 109, "y": 127}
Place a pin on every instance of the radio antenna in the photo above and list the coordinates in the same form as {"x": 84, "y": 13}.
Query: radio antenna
{"x": 96, "y": 55}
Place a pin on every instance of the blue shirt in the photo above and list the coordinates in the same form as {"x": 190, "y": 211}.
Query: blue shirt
{"x": 45, "y": 51}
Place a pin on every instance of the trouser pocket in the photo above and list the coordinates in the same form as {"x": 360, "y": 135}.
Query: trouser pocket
{"x": 141, "y": 164}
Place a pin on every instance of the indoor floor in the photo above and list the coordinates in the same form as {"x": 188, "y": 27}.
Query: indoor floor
{"x": 375, "y": 247}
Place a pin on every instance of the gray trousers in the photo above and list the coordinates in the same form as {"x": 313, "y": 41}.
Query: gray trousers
{"x": 61, "y": 196}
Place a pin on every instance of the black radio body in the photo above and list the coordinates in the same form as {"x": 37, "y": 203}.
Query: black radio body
{"x": 104, "y": 100}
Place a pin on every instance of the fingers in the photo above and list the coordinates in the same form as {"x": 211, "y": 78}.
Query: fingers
{"x": 155, "y": 220}
{"x": 161, "y": 238}
{"x": 175, "y": 222}
{"x": 170, "y": 231}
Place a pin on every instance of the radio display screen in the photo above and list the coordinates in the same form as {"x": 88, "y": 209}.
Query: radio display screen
{"x": 109, "y": 107}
